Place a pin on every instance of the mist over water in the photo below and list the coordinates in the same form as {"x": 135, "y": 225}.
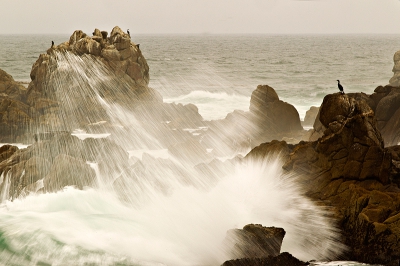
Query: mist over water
{"x": 160, "y": 218}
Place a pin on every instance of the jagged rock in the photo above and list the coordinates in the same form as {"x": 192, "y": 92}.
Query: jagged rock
{"x": 254, "y": 241}
{"x": 349, "y": 169}
{"x": 265, "y": 104}
{"x": 283, "y": 259}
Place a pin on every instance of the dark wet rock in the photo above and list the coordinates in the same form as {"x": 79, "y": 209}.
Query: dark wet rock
{"x": 349, "y": 169}
{"x": 254, "y": 241}
{"x": 6, "y": 151}
{"x": 283, "y": 259}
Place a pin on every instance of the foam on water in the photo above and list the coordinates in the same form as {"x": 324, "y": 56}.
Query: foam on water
{"x": 186, "y": 227}
{"x": 213, "y": 105}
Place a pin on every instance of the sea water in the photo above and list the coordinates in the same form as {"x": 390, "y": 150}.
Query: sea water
{"x": 219, "y": 72}
{"x": 187, "y": 225}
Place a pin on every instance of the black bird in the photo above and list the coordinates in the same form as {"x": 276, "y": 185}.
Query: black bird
{"x": 128, "y": 33}
{"x": 340, "y": 86}
{"x": 137, "y": 45}
{"x": 52, "y": 43}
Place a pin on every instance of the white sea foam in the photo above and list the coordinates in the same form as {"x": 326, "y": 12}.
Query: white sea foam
{"x": 213, "y": 105}
{"x": 185, "y": 227}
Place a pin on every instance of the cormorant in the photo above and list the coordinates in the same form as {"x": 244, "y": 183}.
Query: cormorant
{"x": 137, "y": 45}
{"x": 340, "y": 86}
{"x": 128, "y": 33}
{"x": 52, "y": 43}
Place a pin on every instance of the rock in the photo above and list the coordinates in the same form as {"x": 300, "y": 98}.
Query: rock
{"x": 269, "y": 118}
{"x": 395, "y": 80}
{"x": 260, "y": 97}
{"x": 311, "y": 115}
{"x": 6, "y": 151}
{"x": 68, "y": 171}
{"x": 283, "y": 259}
{"x": 267, "y": 107}
{"x": 349, "y": 169}
{"x": 254, "y": 241}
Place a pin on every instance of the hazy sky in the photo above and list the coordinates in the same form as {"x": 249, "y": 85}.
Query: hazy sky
{"x": 201, "y": 16}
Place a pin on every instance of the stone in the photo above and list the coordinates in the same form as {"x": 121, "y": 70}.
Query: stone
{"x": 310, "y": 116}
{"x": 68, "y": 171}
{"x": 254, "y": 241}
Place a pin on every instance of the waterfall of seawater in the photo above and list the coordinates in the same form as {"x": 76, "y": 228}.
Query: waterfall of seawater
{"x": 160, "y": 219}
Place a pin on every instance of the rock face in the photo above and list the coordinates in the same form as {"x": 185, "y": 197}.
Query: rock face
{"x": 395, "y": 80}
{"x": 254, "y": 241}
{"x": 349, "y": 169}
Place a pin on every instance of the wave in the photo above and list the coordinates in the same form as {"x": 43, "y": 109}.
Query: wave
{"x": 213, "y": 105}
{"x": 186, "y": 226}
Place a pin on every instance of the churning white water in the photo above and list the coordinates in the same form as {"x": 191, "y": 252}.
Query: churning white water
{"x": 185, "y": 227}
{"x": 156, "y": 219}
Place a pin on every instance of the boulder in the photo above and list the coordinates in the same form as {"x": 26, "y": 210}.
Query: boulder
{"x": 254, "y": 241}
{"x": 269, "y": 118}
{"x": 283, "y": 259}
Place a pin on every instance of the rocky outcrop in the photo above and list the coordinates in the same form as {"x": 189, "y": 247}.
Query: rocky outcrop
{"x": 254, "y": 241}
{"x": 385, "y": 103}
{"x": 269, "y": 118}
{"x": 283, "y": 259}
{"x": 349, "y": 168}
{"x": 395, "y": 80}
{"x": 257, "y": 245}
{"x": 50, "y": 165}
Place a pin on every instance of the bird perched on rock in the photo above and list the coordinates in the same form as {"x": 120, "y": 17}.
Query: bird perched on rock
{"x": 137, "y": 45}
{"x": 340, "y": 86}
{"x": 52, "y": 43}
{"x": 128, "y": 33}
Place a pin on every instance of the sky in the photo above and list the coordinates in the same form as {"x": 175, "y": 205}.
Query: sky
{"x": 201, "y": 16}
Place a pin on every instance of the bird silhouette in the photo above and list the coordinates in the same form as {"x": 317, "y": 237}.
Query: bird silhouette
{"x": 128, "y": 33}
{"x": 340, "y": 86}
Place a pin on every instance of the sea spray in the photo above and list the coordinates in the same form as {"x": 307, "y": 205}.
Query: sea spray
{"x": 185, "y": 227}
{"x": 152, "y": 210}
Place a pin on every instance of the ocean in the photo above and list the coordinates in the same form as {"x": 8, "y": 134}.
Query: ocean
{"x": 219, "y": 72}
{"x": 186, "y": 225}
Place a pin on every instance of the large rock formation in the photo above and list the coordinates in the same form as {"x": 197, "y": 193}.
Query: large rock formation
{"x": 269, "y": 118}
{"x": 385, "y": 103}
{"x": 395, "y": 80}
{"x": 349, "y": 169}
{"x": 60, "y": 161}
{"x": 254, "y": 241}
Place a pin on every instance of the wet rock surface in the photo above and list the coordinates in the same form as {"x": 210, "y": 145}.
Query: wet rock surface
{"x": 349, "y": 168}
{"x": 254, "y": 241}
